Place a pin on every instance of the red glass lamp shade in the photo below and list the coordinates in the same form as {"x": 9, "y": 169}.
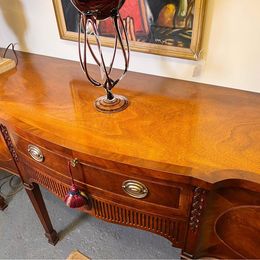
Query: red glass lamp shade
{"x": 101, "y": 9}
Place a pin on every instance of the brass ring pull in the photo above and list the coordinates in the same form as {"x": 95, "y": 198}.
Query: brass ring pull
{"x": 35, "y": 153}
{"x": 135, "y": 189}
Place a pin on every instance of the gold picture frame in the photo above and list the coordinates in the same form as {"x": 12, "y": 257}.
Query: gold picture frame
{"x": 192, "y": 40}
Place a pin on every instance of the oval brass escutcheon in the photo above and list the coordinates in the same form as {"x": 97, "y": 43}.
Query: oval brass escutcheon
{"x": 135, "y": 189}
{"x": 35, "y": 153}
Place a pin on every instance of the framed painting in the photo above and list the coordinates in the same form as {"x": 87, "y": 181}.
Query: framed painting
{"x": 164, "y": 27}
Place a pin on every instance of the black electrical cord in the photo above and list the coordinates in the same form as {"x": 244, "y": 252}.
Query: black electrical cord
{"x": 9, "y": 180}
{"x": 13, "y": 50}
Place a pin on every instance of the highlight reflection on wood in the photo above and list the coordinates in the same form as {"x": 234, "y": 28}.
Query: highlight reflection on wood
{"x": 196, "y": 148}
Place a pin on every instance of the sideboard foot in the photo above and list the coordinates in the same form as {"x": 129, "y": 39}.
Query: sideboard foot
{"x": 52, "y": 237}
{"x": 3, "y": 204}
{"x": 36, "y": 198}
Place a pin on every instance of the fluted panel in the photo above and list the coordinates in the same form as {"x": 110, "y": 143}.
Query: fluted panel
{"x": 170, "y": 228}
{"x": 53, "y": 185}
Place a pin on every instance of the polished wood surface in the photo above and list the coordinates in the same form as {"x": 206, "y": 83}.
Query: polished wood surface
{"x": 231, "y": 226}
{"x": 195, "y": 148}
{"x": 207, "y": 129}
{"x": 237, "y": 223}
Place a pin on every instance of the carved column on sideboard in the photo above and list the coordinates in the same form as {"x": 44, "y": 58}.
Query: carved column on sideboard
{"x": 9, "y": 144}
{"x": 198, "y": 205}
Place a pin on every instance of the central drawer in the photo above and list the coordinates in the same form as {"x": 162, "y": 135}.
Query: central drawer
{"x": 139, "y": 191}
{"x": 133, "y": 188}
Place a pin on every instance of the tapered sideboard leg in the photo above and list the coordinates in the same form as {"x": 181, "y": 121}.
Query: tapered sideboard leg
{"x": 3, "y": 204}
{"x": 36, "y": 198}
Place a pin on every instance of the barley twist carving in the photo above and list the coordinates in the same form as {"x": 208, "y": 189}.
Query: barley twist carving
{"x": 197, "y": 207}
{"x": 8, "y": 142}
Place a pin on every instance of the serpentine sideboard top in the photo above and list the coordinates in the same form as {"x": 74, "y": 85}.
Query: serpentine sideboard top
{"x": 189, "y": 129}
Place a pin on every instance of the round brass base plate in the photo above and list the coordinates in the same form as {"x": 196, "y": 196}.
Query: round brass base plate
{"x": 117, "y": 104}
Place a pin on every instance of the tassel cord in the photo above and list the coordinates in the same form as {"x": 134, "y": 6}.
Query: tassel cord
{"x": 70, "y": 172}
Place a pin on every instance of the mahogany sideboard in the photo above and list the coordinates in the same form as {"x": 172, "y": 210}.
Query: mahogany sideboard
{"x": 182, "y": 161}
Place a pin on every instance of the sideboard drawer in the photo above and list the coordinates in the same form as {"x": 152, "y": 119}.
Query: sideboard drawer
{"x": 135, "y": 190}
{"x": 171, "y": 195}
{"x": 41, "y": 156}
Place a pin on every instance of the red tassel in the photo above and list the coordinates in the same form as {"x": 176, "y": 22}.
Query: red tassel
{"x": 75, "y": 198}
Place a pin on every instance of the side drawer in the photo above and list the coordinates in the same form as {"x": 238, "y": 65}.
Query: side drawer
{"x": 37, "y": 154}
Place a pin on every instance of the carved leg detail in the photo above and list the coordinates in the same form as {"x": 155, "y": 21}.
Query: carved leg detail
{"x": 3, "y": 204}
{"x": 35, "y": 196}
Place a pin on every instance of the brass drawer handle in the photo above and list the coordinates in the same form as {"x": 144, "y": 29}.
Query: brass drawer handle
{"x": 135, "y": 189}
{"x": 35, "y": 153}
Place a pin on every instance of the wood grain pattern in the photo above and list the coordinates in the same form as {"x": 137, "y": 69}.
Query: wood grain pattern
{"x": 230, "y": 225}
{"x": 203, "y": 126}
{"x": 195, "y": 147}
{"x": 237, "y": 222}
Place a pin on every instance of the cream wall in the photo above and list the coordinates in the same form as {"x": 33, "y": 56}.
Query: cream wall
{"x": 231, "y": 42}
